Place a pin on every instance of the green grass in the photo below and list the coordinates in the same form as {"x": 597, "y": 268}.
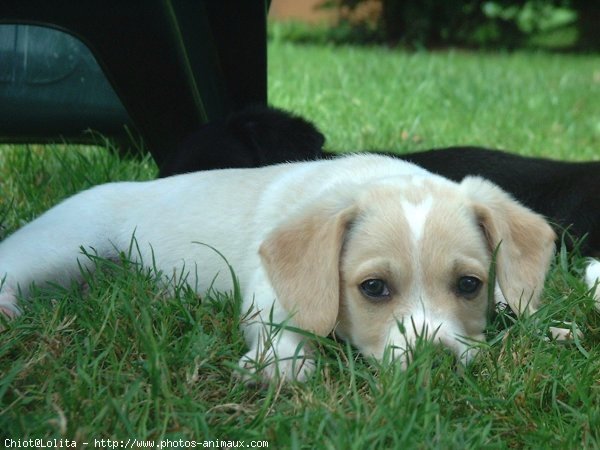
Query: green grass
{"x": 535, "y": 104}
{"x": 123, "y": 359}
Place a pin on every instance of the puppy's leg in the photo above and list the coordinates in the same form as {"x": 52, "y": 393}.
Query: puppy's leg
{"x": 8, "y": 303}
{"x": 48, "y": 249}
{"x": 592, "y": 279}
{"x": 564, "y": 333}
{"x": 275, "y": 352}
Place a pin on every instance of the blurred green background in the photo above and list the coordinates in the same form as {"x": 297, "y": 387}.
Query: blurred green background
{"x": 508, "y": 24}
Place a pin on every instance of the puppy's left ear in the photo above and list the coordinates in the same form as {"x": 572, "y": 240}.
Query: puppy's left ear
{"x": 301, "y": 258}
{"x": 524, "y": 240}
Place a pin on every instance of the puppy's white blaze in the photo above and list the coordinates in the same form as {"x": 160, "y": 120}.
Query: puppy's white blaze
{"x": 416, "y": 216}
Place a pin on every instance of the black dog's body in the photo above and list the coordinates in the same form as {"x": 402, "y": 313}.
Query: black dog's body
{"x": 568, "y": 194}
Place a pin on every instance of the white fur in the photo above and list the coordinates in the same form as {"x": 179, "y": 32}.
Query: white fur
{"x": 592, "y": 279}
{"x": 416, "y": 215}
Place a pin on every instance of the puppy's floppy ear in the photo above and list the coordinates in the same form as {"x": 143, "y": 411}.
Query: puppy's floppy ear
{"x": 302, "y": 257}
{"x": 524, "y": 240}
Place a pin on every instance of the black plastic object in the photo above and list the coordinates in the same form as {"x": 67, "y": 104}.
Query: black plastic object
{"x": 174, "y": 64}
{"x": 50, "y": 84}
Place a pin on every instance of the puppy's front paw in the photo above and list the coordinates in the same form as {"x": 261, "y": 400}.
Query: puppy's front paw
{"x": 8, "y": 305}
{"x": 267, "y": 367}
{"x": 566, "y": 334}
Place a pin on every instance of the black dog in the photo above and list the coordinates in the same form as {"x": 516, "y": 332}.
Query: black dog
{"x": 568, "y": 194}
{"x": 254, "y": 137}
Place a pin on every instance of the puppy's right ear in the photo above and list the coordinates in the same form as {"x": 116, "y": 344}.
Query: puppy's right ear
{"x": 524, "y": 240}
{"x": 301, "y": 258}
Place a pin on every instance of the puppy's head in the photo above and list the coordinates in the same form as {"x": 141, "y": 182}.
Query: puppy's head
{"x": 386, "y": 263}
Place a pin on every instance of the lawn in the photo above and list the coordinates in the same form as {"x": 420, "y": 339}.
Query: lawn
{"x": 122, "y": 359}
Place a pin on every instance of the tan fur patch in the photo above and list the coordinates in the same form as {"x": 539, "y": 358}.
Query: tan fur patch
{"x": 525, "y": 240}
{"x": 302, "y": 262}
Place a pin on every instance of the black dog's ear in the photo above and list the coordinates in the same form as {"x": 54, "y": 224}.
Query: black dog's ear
{"x": 275, "y": 136}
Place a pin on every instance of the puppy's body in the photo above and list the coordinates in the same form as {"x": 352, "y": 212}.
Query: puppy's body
{"x": 229, "y": 210}
{"x": 355, "y": 244}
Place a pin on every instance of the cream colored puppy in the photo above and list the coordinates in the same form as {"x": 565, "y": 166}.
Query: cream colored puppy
{"x": 356, "y": 245}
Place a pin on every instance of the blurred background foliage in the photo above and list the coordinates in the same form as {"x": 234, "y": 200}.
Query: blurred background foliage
{"x": 509, "y": 24}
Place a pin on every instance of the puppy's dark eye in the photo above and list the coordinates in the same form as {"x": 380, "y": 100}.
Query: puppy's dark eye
{"x": 468, "y": 286}
{"x": 375, "y": 289}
